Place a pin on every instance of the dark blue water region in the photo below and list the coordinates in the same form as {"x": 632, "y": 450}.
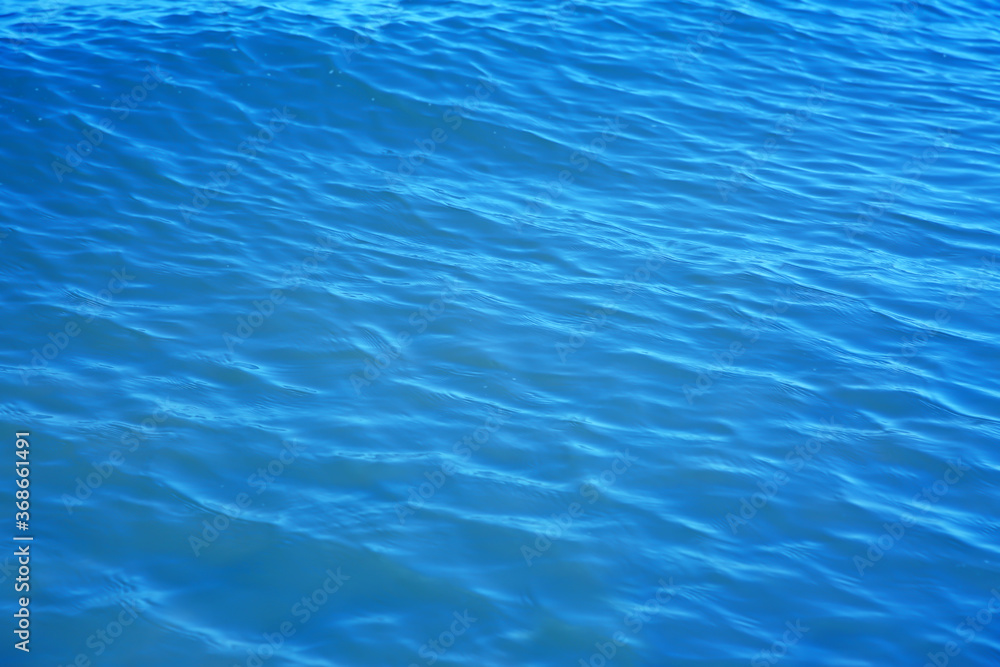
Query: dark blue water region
{"x": 472, "y": 333}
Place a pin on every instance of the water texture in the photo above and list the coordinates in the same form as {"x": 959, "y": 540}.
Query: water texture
{"x": 425, "y": 333}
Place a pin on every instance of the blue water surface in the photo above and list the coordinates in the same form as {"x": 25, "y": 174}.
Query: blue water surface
{"x": 474, "y": 333}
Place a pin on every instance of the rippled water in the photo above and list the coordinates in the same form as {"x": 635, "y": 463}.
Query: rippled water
{"x": 503, "y": 334}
